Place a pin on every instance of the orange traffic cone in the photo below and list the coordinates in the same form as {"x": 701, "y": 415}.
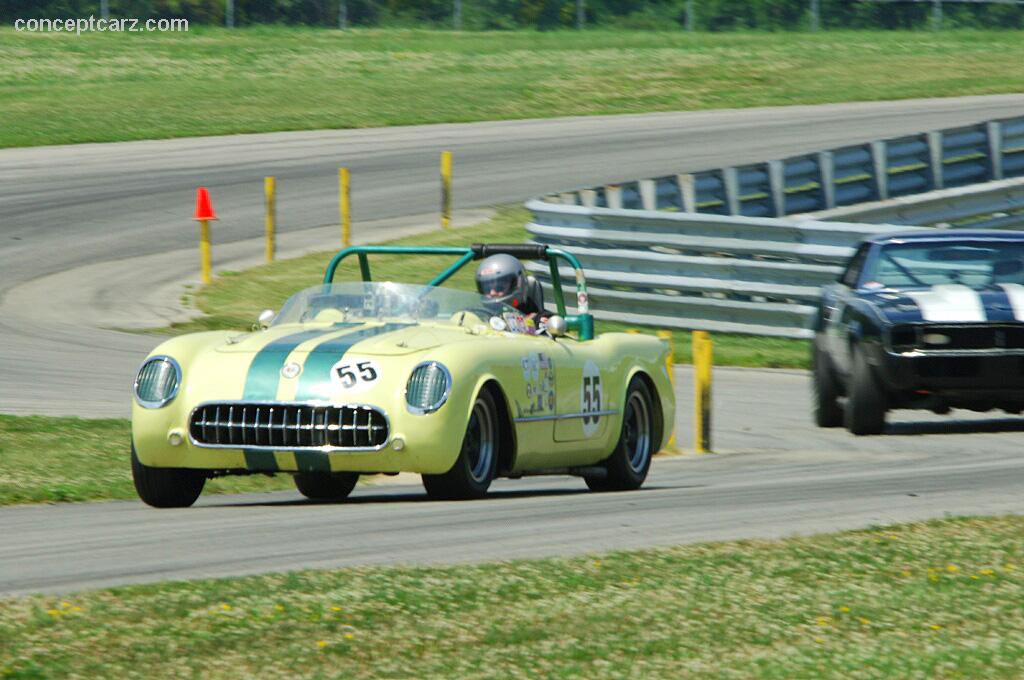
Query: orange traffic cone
{"x": 204, "y": 207}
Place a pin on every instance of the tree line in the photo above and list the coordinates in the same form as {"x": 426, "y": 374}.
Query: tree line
{"x": 709, "y": 15}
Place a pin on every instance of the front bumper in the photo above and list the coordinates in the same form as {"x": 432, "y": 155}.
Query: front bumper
{"x": 959, "y": 378}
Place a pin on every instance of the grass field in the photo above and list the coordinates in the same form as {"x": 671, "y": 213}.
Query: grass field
{"x": 89, "y": 461}
{"x": 235, "y": 299}
{"x": 101, "y": 87}
{"x": 936, "y": 600}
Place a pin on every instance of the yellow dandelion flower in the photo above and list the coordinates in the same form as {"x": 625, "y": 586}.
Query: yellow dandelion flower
{"x": 349, "y": 636}
{"x": 1009, "y": 567}
{"x": 952, "y": 568}
{"x": 935, "y": 626}
{"x": 597, "y": 563}
{"x": 76, "y": 609}
{"x": 905, "y": 573}
{"x": 987, "y": 572}
{"x": 335, "y": 609}
{"x": 321, "y": 643}
{"x": 53, "y": 612}
{"x": 823, "y": 621}
{"x": 975, "y": 577}
{"x": 65, "y": 604}
{"x": 844, "y": 610}
{"x": 279, "y": 607}
{"x": 864, "y": 622}
{"x": 226, "y": 607}
{"x": 819, "y": 640}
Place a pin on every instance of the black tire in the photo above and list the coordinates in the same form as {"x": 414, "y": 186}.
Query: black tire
{"x": 326, "y": 486}
{"x": 827, "y": 412}
{"x": 166, "y": 487}
{"x": 474, "y": 469}
{"x": 865, "y": 403}
{"x": 628, "y": 464}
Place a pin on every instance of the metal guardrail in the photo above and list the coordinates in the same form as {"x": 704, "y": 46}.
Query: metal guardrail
{"x": 701, "y": 272}
{"x": 849, "y": 175}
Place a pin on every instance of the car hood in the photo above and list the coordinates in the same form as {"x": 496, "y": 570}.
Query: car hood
{"x": 950, "y": 304}
{"x": 373, "y": 338}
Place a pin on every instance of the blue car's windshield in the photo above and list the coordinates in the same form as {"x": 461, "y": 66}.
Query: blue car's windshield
{"x": 931, "y": 263}
{"x": 359, "y": 301}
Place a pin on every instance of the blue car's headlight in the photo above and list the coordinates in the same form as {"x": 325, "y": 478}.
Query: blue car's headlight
{"x": 428, "y": 387}
{"x": 157, "y": 382}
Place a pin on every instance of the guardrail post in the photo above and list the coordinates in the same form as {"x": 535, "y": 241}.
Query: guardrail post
{"x": 688, "y": 192}
{"x": 648, "y": 194}
{"x": 270, "y": 213}
{"x": 935, "y": 153}
{"x": 613, "y": 196}
{"x": 881, "y": 166}
{"x": 670, "y": 367}
{"x": 827, "y": 176}
{"x": 702, "y": 359}
{"x": 588, "y": 198}
{"x": 732, "y": 190}
{"x": 777, "y": 182}
{"x": 446, "y": 189}
{"x": 345, "y": 206}
{"x": 567, "y": 198}
{"x": 203, "y": 214}
{"x": 995, "y": 148}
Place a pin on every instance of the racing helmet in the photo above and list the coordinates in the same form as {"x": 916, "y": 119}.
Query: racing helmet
{"x": 500, "y": 278}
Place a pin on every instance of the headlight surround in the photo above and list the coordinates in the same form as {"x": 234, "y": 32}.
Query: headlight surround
{"x": 428, "y": 388}
{"x": 157, "y": 382}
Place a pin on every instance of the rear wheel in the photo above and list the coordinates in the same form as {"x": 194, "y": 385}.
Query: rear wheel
{"x": 865, "y": 403}
{"x": 324, "y": 486}
{"x": 628, "y": 465}
{"x": 827, "y": 412}
{"x": 166, "y": 487}
{"x": 474, "y": 469}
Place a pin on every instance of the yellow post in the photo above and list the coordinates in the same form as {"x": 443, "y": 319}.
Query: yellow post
{"x": 446, "y": 189}
{"x": 702, "y": 360}
{"x": 345, "y": 206}
{"x": 669, "y": 365}
{"x": 204, "y": 248}
{"x": 270, "y": 205}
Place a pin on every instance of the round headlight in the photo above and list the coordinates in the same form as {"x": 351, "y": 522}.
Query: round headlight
{"x": 428, "y": 387}
{"x": 157, "y": 382}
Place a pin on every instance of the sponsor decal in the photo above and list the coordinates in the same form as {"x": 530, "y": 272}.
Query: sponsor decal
{"x": 291, "y": 370}
{"x": 539, "y": 376}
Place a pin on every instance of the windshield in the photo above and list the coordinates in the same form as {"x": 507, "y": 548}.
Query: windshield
{"x": 359, "y": 301}
{"x": 925, "y": 264}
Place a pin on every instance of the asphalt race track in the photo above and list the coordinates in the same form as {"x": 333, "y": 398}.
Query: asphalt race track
{"x": 98, "y": 236}
{"x": 777, "y": 475}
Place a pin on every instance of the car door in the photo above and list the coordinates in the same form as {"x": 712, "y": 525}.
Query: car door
{"x": 583, "y": 396}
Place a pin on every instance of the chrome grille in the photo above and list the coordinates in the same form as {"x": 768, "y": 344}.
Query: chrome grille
{"x": 278, "y": 426}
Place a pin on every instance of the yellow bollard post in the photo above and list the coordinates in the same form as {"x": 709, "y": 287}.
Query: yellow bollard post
{"x": 446, "y": 189}
{"x": 670, "y": 360}
{"x": 204, "y": 249}
{"x": 702, "y": 360}
{"x": 345, "y": 206}
{"x": 203, "y": 214}
{"x": 270, "y": 206}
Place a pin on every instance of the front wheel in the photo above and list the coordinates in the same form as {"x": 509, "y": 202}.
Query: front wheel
{"x": 166, "y": 487}
{"x": 865, "y": 402}
{"x": 325, "y": 486}
{"x": 827, "y": 412}
{"x": 628, "y": 465}
{"x": 474, "y": 469}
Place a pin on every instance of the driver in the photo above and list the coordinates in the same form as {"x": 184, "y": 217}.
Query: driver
{"x": 501, "y": 278}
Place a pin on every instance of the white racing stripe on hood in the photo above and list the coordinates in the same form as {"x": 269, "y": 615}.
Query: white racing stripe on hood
{"x": 950, "y": 302}
{"x": 1015, "y": 292}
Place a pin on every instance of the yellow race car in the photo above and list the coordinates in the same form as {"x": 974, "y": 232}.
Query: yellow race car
{"x": 380, "y": 377}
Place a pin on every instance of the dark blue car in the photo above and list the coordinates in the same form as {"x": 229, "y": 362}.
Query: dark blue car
{"x": 927, "y": 320}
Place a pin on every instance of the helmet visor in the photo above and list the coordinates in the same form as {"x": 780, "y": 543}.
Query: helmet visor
{"x": 498, "y": 285}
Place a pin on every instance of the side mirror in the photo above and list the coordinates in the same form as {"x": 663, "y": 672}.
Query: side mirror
{"x": 265, "y": 318}
{"x": 557, "y": 327}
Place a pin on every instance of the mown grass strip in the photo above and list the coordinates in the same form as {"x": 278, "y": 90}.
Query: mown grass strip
{"x": 235, "y": 299}
{"x": 100, "y": 87}
{"x": 932, "y": 600}
{"x": 87, "y": 460}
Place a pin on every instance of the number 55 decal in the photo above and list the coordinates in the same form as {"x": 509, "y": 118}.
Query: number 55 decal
{"x": 591, "y": 398}
{"x": 354, "y": 374}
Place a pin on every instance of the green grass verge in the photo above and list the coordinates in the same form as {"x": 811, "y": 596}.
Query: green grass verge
{"x": 235, "y": 299}
{"x": 101, "y": 87}
{"x": 88, "y": 461}
{"x": 934, "y": 600}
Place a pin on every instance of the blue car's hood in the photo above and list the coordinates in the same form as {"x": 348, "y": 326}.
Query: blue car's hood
{"x": 950, "y": 304}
